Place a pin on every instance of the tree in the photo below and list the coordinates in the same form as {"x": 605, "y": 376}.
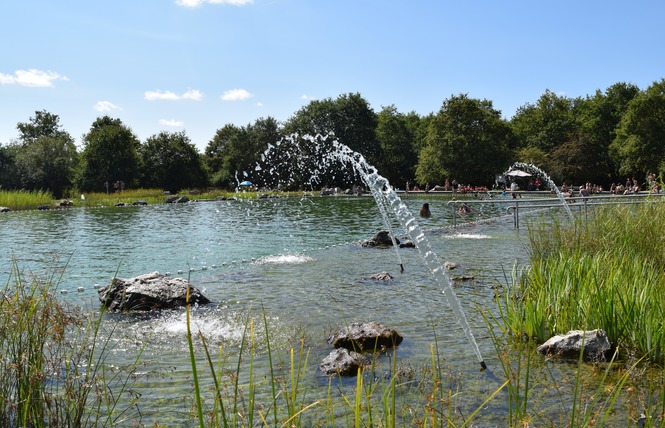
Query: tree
{"x": 349, "y": 119}
{"x": 467, "y": 141}
{"x": 545, "y": 125}
{"x": 395, "y": 135}
{"x": 9, "y": 177}
{"x": 170, "y": 161}
{"x": 110, "y": 155}
{"x": 45, "y": 155}
{"x": 638, "y": 148}
{"x": 599, "y": 118}
{"x": 234, "y": 153}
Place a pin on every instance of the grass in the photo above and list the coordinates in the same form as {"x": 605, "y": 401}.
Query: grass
{"x": 607, "y": 272}
{"x": 52, "y": 361}
{"x": 17, "y": 200}
{"x": 24, "y": 200}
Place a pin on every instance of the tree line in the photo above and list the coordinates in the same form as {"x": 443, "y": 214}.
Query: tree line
{"x": 600, "y": 138}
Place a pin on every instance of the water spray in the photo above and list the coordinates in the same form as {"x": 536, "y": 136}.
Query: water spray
{"x": 385, "y": 196}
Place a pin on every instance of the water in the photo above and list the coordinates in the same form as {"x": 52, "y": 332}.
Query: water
{"x": 299, "y": 258}
{"x": 550, "y": 183}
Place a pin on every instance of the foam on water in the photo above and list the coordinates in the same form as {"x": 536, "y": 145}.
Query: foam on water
{"x": 468, "y": 236}
{"x": 284, "y": 259}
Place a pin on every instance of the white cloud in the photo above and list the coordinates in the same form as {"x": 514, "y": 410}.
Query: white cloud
{"x": 259, "y": 104}
{"x": 32, "y": 78}
{"x": 105, "y": 106}
{"x": 192, "y": 94}
{"x": 307, "y": 97}
{"x": 197, "y": 3}
{"x": 236, "y": 95}
{"x": 172, "y": 123}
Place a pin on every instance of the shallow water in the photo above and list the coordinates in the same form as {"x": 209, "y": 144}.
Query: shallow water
{"x": 299, "y": 259}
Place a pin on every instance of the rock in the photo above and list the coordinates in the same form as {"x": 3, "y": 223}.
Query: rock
{"x": 4, "y": 209}
{"x": 365, "y": 337}
{"x": 44, "y": 207}
{"x": 451, "y": 265}
{"x": 407, "y": 243}
{"x": 152, "y": 291}
{"x": 568, "y": 345}
{"x": 182, "y": 200}
{"x": 140, "y": 202}
{"x": 381, "y": 276}
{"x": 462, "y": 278}
{"x": 66, "y": 203}
{"x": 343, "y": 362}
{"x": 121, "y": 204}
{"x": 171, "y": 199}
{"x": 381, "y": 239}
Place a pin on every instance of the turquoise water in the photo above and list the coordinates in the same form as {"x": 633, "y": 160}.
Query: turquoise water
{"x": 297, "y": 258}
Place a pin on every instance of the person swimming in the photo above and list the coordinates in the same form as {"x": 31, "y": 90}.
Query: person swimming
{"x": 424, "y": 211}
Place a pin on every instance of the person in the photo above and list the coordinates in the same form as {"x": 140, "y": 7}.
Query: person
{"x": 464, "y": 209}
{"x": 424, "y": 211}
{"x": 513, "y": 189}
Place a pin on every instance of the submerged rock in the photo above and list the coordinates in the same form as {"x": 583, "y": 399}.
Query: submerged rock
{"x": 149, "y": 292}
{"x": 365, "y": 337}
{"x": 594, "y": 344}
{"x": 381, "y": 239}
{"x": 343, "y": 362}
{"x": 381, "y": 276}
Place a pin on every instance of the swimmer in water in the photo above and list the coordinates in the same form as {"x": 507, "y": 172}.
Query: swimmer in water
{"x": 424, "y": 211}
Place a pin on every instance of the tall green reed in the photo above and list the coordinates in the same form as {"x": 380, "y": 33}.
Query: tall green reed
{"x": 52, "y": 360}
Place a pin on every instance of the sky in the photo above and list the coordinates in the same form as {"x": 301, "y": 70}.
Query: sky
{"x": 197, "y": 65}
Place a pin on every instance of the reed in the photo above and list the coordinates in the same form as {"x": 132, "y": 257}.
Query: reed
{"x": 607, "y": 272}
{"x": 24, "y": 199}
{"x": 52, "y": 370}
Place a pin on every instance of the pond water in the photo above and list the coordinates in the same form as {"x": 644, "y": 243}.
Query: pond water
{"x": 299, "y": 259}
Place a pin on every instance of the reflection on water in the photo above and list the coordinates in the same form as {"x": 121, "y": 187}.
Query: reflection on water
{"x": 299, "y": 259}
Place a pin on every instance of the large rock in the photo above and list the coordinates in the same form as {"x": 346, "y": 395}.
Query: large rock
{"x": 149, "y": 292}
{"x": 343, "y": 362}
{"x": 594, "y": 343}
{"x": 362, "y": 337}
{"x": 381, "y": 239}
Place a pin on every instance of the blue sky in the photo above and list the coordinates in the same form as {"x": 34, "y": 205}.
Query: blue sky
{"x": 197, "y": 65}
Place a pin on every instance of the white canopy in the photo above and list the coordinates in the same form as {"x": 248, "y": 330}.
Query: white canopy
{"x": 518, "y": 173}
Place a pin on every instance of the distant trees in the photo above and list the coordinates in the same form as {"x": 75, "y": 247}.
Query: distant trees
{"x": 639, "y": 146}
{"x": 467, "y": 141}
{"x": 110, "y": 154}
{"x": 171, "y": 162}
{"x": 44, "y": 157}
{"x": 602, "y": 138}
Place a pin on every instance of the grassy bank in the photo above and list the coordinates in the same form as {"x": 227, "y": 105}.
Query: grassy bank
{"x": 604, "y": 271}
{"x": 24, "y": 200}
{"x": 17, "y": 200}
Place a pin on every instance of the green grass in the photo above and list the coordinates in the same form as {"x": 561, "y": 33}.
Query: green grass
{"x": 52, "y": 361}
{"x": 606, "y": 272}
{"x": 24, "y": 200}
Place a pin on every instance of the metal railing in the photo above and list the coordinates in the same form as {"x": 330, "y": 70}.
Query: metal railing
{"x": 529, "y": 205}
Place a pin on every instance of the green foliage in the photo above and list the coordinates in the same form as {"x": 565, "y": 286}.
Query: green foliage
{"x": 600, "y": 273}
{"x": 170, "y": 161}
{"x": 25, "y": 199}
{"x": 52, "y": 371}
{"x": 395, "y": 134}
{"x": 110, "y": 155}
{"x": 638, "y": 148}
{"x": 234, "y": 152}
{"x": 349, "y": 118}
{"x": 468, "y": 141}
{"x": 45, "y": 156}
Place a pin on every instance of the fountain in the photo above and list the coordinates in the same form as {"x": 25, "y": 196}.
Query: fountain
{"x": 298, "y": 156}
{"x": 550, "y": 182}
